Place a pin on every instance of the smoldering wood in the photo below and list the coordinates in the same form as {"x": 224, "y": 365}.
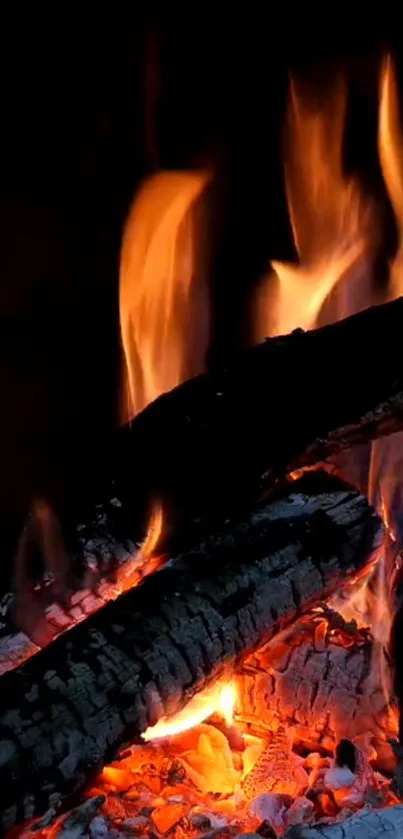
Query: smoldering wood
{"x": 322, "y": 678}
{"x": 279, "y": 406}
{"x": 68, "y": 709}
{"x": 366, "y": 824}
{"x": 218, "y": 442}
{"x": 221, "y": 440}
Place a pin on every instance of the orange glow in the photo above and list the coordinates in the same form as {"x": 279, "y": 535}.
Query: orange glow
{"x": 385, "y": 485}
{"x": 163, "y": 303}
{"x": 146, "y": 560}
{"x": 206, "y": 750}
{"x": 329, "y": 217}
{"x": 334, "y": 225}
{"x": 221, "y": 699}
{"x": 390, "y": 148}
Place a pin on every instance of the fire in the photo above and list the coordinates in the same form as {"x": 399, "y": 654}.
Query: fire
{"x": 147, "y": 560}
{"x": 220, "y": 699}
{"x": 206, "y": 751}
{"x": 329, "y": 216}
{"x": 390, "y": 148}
{"x": 385, "y": 485}
{"x": 333, "y": 225}
{"x": 163, "y": 304}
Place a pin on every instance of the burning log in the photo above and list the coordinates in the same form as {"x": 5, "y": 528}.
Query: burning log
{"x": 67, "y": 710}
{"x": 322, "y": 678}
{"x": 223, "y": 439}
{"x": 216, "y": 443}
{"x": 226, "y": 435}
{"x": 366, "y": 824}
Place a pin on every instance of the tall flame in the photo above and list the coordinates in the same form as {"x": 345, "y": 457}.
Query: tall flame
{"x": 390, "y": 148}
{"x": 333, "y": 226}
{"x": 329, "y": 217}
{"x": 163, "y": 305}
{"x": 386, "y": 485}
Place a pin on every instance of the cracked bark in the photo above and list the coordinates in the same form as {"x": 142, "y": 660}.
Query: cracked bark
{"x": 321, "y": 685}
{"x": 219, "y": 441}
{"x": 367, "y": 824}
{"x": 222, "y": 439}
{"x": 67, "y": 710}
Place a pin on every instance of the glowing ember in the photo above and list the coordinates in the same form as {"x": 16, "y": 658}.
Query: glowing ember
{"x": 302, "y": 730}
{"x": 219, "y": 699}
{"x": 231, "y": 774}
{"x": 146, "y": 560}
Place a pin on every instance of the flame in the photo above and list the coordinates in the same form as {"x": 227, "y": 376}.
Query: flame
{"x": 390, "y": 149}
{"x": 385, "y": 485}
{"x": 220, "y": 699}
{"x": 329, "y": 217}
{"x": 333, "y": 224}
{"x": 146, "y": 560}
{"x": 163, "y": 306}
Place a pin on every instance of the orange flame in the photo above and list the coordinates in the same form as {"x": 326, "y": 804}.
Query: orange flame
{"x": 390, "y": 148}
{"x": 329, "y": 217}
{"x": 146, "y": 560}
{"x": 163, "y": 305}
{"x": 386, "y": 486}
{"x": 219, "y": 699}
{"x": 333, "y": 226}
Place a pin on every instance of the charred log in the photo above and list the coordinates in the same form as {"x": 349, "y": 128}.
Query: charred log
{"x": 269, "y": 412}
{"x": 318, "y": 678}
{"x": 219, "y": 441}
{"x": 215, "y": 444}
{"x": 66, "y": 711}
{"x": 366, "y": 824}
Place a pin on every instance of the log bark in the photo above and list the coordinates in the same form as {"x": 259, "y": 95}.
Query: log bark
{"x": 366, "y": 824}
{"x": 219, "y": 441}
{"x": 67, "y": 710}
{"x": 272, "y": 409}
{"x": 213, "y": 445}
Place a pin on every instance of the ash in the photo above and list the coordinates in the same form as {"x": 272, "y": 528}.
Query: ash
{"x": 308, "y": 748}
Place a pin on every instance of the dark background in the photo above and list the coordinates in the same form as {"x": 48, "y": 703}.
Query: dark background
{"x": 88, "y": 108}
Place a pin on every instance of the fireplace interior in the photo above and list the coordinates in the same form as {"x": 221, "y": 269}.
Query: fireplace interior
{"x": 201, "y": 601}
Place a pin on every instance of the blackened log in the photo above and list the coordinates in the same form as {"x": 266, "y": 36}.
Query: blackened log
{"x": 282, "y": 405}
{"x": 67, "y": 710}
{"x": 219, "y": 441}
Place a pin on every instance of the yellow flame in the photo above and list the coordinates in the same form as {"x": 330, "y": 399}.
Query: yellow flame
{"x": 390, "y": 146}
{"x": 163, "y": 304}
{"x": 386, "y": 486}
{"x": 146, "y": 561}
{"x": 328, "y": 214}
{"x": 220, "y": 699}
{"x": 333, "y": 224}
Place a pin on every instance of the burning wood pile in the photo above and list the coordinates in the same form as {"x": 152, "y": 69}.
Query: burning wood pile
{"x": 236, "y": 677}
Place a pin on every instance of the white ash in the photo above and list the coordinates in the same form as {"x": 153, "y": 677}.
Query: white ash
{"x": 269, "y": 807}
{"x": 366, "y": 824}
{"x": 216, "y": 822}
{"x": 13, "y": 649}
{"x": 301, "y": 811}
{"x": 98, "y": 828}
{"x": 338, "y": 777}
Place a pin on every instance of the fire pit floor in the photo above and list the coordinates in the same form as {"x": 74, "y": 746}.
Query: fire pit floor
{"x": 300, "y": 746}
